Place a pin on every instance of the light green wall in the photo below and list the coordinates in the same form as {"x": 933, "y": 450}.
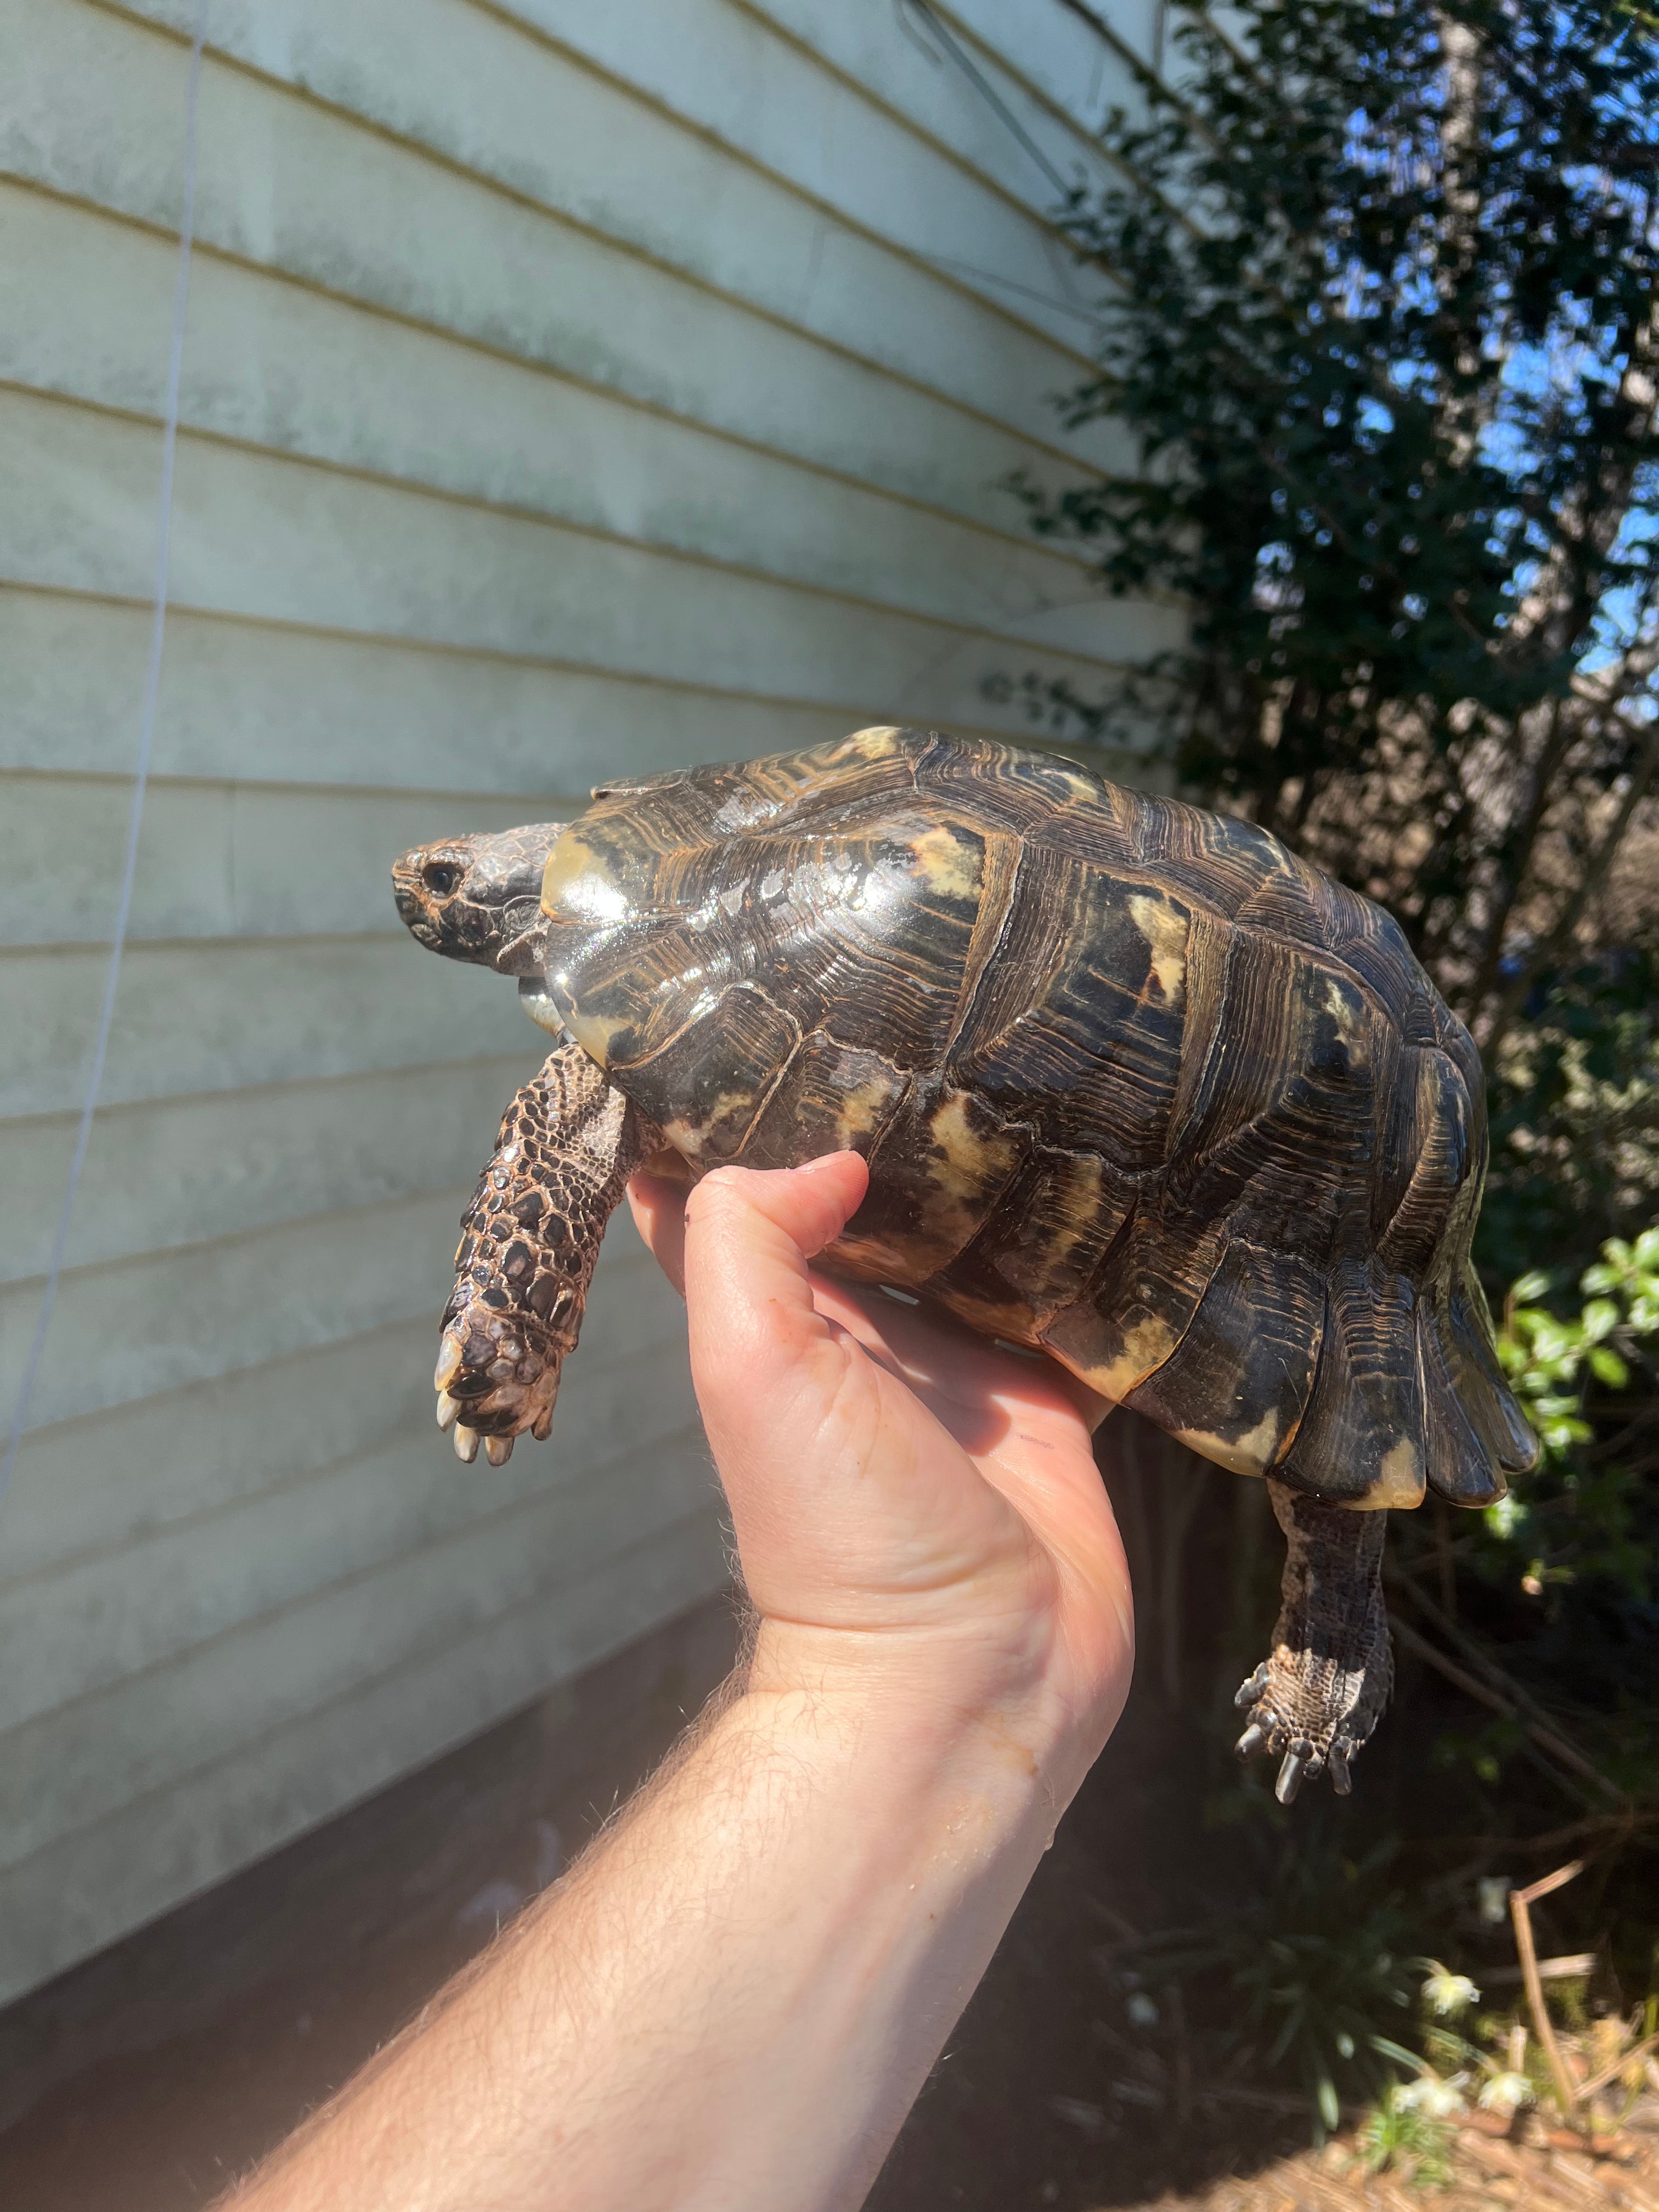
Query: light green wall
{"x": 567, "y": 389}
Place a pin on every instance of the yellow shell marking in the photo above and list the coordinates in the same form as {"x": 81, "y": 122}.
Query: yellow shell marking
{"x": 1400, "y": 1478}
{"x": 948, "y": 864}
{"x": 576, "y": 884}
{"x": 1146, "y": 1345}
{"x": 857, "y": 1109}
{"x": 690, "y": 1137}
{"x": 1250, "y": 1454}
{"x": 970, "y": 1160}
{"x": 1032, "y": 1271}
{"x": 595, "y": 1034}
{"x": 1165, "y": 928}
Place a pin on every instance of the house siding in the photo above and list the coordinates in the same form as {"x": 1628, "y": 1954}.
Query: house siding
{"x": 567, "y": 391}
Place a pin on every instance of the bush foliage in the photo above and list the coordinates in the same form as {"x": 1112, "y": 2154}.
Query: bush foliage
{"x": 1380, "y": 302}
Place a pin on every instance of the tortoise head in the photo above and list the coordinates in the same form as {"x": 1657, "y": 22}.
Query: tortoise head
{"x": 478, "y": 898}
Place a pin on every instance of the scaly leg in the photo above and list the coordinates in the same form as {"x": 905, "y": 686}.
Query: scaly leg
{"x": 1322, "y": 1691}
{"x": 567, "y": 1145}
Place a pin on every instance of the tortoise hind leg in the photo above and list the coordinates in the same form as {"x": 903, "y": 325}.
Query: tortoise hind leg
{"x": 1317, "y": 1699}
{"x": 568, "y": 1143}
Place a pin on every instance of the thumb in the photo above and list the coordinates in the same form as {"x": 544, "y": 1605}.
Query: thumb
{"x": 791, "y": 1407}
{"x": 749, "y": 1234}
{"x": 847, "y": 1495}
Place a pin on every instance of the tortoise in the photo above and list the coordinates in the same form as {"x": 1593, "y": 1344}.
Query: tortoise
{"x": 1137, "y": 1088}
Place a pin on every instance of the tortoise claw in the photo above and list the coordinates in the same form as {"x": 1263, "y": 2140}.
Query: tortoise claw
{"x": 1253, "y": 1740}
{"x": 466, "y": 1442}
{"x": 1289, "y": 1777}
{"x": 1341, "y": 1779}
{"x": 1247, "y": 1692}
{"x": 498, "y": 1450}
{"x": 450, "y": 1354}
{"x": 449, "y": 1410}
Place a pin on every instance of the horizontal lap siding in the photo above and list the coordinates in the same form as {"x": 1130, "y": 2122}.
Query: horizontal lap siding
{"x": 566, "y": 391}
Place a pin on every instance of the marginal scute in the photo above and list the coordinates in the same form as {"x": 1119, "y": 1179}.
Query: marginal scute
{"x": 1134, "y": 1316}
{"x": 1235, "y": 1385}
{"x": 830, "y": 1097}
{"x": 705, "y": 1088}
{"x": 1045, "y": 1243}
{"x": 937, "y": 1173}
{"x": 1361, "y": 1438}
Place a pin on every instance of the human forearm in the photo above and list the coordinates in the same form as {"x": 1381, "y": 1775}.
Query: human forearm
{"x": 733, "y": 1999}
{"x": 730, "y": 2003}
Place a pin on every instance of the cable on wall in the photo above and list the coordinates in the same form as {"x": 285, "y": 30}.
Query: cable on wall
{"x": 141, "y": 776}
{"x": 954, "y": 51}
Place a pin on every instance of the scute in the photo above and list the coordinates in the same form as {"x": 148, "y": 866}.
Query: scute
{"x": 1136, "y": 1085}
{"x": 1235, "y": 1385}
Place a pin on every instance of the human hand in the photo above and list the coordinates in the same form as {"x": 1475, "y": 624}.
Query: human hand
{"x": 913, "y": 1507}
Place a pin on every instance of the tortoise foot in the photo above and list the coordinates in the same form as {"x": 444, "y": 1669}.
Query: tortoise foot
{"x": 497, "y": 1377}
{"x": 529, "y": 1241}
{"x": 1313, "y": 1704}
{"x": 1297, "y": 1720}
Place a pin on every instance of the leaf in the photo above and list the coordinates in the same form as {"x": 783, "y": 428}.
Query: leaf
{"x": 1329, "y": 2110}
{"x": 1607, "y": 1367}
{"x": 1599, "y": 1319}
{"x": 1400, "y": 2057}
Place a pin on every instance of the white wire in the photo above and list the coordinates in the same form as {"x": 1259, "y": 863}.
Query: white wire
{"x": 146, "y": 745}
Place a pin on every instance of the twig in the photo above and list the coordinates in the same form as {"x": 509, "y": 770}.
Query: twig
{"x": 1522, "y": 1706}
{"x": 1572, "y": 1968}
{"x": 1598, "y": 1828}
{"x": 1545, "y": 1739}
{"x": 1521, "y": 1903}
{"x": 1593, "y": 873}
{"x": 1612, "y": 2073}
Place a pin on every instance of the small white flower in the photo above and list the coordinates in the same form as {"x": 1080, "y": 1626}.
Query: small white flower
{"x": 1494, "y": 1893}
{"x": 1447, "y": 1995}
{"x": 1435, "y": 2099}
{"x": 1142, "y": 2012}
{"x": 1505, "y": 2094}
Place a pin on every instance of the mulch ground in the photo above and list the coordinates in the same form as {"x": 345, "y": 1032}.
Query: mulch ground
{"x": 1536, "y": 2166}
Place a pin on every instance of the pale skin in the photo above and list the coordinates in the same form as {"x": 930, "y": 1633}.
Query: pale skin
{"x": 730, "y": 2003}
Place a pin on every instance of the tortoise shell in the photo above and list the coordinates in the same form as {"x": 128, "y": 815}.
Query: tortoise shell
{"x": 1136, "y": 1085}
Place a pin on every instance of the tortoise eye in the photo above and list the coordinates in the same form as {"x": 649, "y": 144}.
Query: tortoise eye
{"x": 440, "y": 876}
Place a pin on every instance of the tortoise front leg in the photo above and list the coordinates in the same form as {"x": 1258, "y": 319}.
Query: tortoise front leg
{"x": 529, "y": 1241}
{"x": 1322, "y": 1691}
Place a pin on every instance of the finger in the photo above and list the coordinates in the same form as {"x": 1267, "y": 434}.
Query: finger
{"x": 846, "y": 1492}
{"x": 749, "y": 1236}
{"x": 961, "y": 1374}
{"x": 942, "y": 1357}
{"x": 658, "y": 1205}
{"x": 769, "y": 1367}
